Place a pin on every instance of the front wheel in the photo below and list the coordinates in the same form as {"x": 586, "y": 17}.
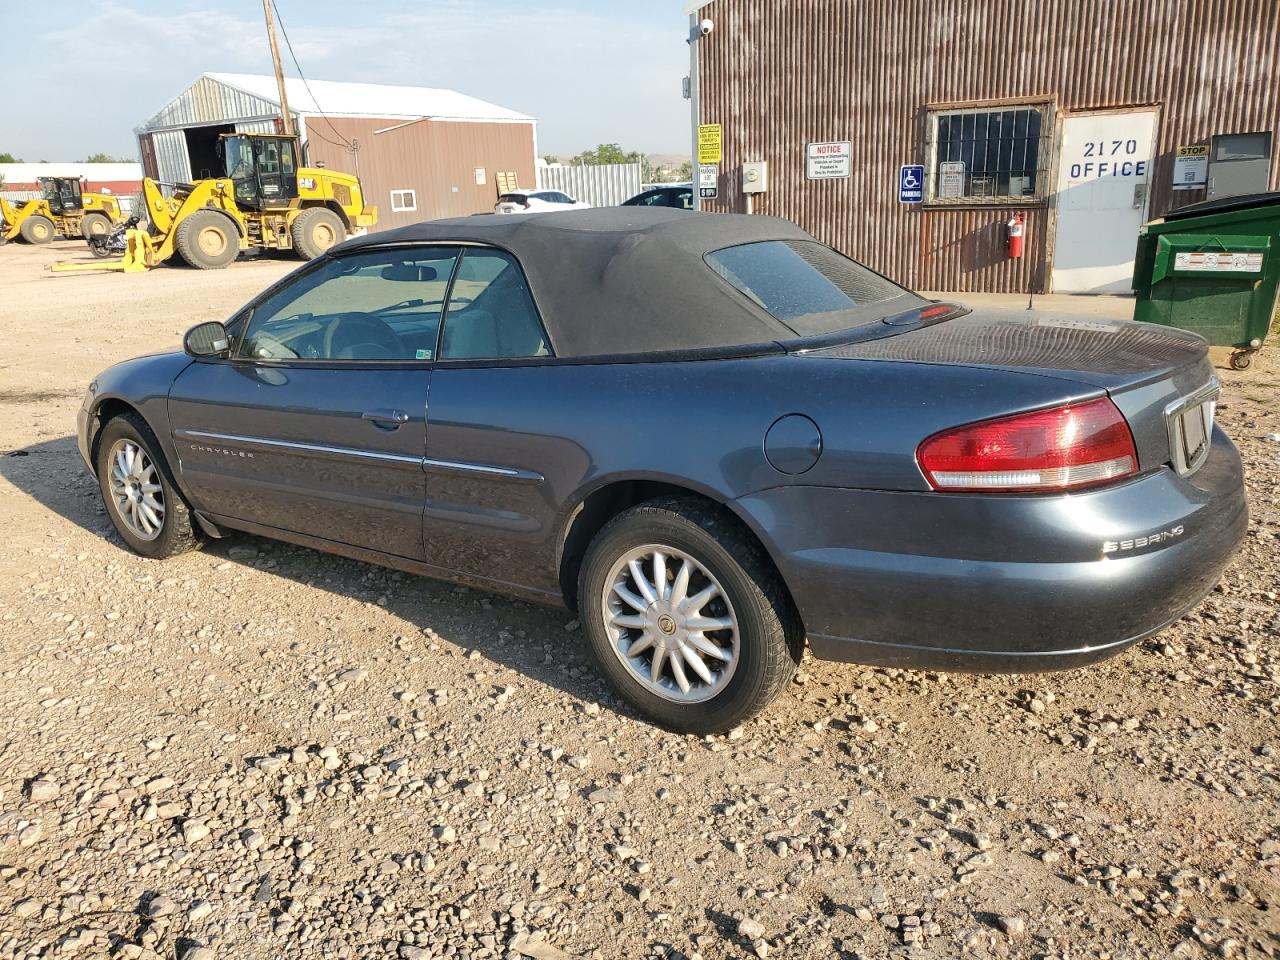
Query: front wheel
{"x": 1241, "y": 359}
{"x": 37, "y": 229}
{"x": 139, "y": 493}
{"x": 207, "y": 240}
{"x": 686, "y": 617}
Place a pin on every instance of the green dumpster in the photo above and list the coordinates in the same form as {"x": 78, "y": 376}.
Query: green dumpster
{"x": 1213, "y": 268}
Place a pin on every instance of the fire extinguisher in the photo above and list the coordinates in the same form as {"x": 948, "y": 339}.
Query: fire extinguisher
{"x": 1016, "y": 226}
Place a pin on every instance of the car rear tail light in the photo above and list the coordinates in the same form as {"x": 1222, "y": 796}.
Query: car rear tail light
{"x": 1077, "y": 445}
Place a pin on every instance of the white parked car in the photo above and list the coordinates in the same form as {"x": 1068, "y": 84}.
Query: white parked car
{"x": 537, "y": 201}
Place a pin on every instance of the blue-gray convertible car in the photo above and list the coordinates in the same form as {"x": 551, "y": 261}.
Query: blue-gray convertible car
{"x": 713, "y": 437}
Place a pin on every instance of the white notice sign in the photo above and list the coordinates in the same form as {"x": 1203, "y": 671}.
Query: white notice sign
{"x": 1218, "y": 261}
{"x": 829, "y": 161}
{"x": 708, "y": 181}
{"x": 1191, "y": 167}
{"x": 951, "y": 179}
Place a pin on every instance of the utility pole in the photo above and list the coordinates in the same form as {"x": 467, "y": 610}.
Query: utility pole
{"x": 285, "y": 115}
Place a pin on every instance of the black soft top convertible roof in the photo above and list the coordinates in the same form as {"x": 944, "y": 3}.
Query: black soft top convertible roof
{"x": 621, "y": 280}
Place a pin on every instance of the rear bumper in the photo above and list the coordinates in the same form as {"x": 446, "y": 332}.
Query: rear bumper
{"x": 1002, "y": 584}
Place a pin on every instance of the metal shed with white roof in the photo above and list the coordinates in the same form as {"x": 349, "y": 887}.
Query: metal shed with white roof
{"x": 420, "y": 152}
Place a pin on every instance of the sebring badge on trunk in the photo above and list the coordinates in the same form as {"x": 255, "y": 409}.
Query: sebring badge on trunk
{"x": 1119, "y": 546}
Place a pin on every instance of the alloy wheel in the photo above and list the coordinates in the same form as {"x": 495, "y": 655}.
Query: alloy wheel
{"x": 136, "y": 492}
{"x": 671, "y": 624}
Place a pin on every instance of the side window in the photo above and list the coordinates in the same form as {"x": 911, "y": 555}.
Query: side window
{"x": 655, "y": 198}
{"x": 380, "y": 305}
{"x": 491, "y": 314}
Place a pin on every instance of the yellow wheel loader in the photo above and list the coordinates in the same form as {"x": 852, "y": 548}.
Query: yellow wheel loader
{"x": 264, "y": 201}
{"x": 64, "y": 209}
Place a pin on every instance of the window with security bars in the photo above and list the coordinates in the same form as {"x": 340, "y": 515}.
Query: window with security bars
{"x": 987, "y": 154}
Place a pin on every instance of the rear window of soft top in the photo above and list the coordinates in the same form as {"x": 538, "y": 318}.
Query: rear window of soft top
{"x": 808, "y": 286}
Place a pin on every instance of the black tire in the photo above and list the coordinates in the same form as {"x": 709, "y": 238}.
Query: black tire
{"x": 37, "y": 229}
{"x": 177, "y": 533}
{"x": 207, "y": 240}
{"x": 95, "y": 225}
{"x": 770, "y": 636}
{"x": 1241, "y": 360}
{"x": 316, "y": 230}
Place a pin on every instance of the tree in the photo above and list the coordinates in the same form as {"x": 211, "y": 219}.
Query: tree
{"x": 607, "y": 153}
{"x": 603, "y": 154}
{"x": 100, "y": 158}
{"x": 8, "y": 158}
{"x": 686, "y": 171}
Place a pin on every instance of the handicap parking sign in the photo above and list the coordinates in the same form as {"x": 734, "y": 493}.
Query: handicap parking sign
{"x": 911, "y": 183}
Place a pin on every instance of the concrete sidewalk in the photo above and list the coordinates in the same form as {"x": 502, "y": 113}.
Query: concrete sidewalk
{"x": 1111, "y": 307}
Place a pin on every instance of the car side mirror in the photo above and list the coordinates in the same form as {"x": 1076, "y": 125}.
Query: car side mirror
{"x": 206, "y": 340}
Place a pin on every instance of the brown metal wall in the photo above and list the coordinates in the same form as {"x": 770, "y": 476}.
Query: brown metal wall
{"x": 779, "y": 74}
{"x": 431, "y": 156}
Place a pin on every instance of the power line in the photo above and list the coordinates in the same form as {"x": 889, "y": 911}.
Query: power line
{"x": 294, "y": 57}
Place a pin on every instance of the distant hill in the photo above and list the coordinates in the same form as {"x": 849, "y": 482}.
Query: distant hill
{"x": 672, "y": 160}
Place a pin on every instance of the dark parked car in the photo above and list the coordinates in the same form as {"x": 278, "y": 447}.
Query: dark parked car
{"x": 713, "y": 437}
{"x": 677, "y": 195}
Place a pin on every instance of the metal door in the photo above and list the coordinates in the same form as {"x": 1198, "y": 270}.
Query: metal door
{"x": 1104, "y": 172}
{"x": 1239, "y": 164}
{"x": 323, "y": 451}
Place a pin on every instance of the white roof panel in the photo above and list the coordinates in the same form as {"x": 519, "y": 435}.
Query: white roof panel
{"x": 369, "y": 99}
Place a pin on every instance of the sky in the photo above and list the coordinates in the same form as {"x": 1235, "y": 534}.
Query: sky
{"x": 591, "y": 71}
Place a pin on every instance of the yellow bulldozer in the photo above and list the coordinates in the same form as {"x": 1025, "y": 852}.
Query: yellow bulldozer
{"x": 63, "y": 210}
{"x": 264, "y": 201}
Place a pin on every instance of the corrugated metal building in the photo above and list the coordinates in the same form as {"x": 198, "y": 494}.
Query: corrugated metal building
{"x": 1081, "y": 114}
{"x": 420, "y": 152}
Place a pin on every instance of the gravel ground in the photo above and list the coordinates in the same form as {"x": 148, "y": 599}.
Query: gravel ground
{"x": 260, "y": 751}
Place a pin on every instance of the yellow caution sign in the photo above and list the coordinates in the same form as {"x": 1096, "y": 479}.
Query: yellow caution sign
{"x": 710, "y": 143}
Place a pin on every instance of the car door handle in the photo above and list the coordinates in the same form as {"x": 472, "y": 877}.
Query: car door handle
{"x": 386, "y": 419}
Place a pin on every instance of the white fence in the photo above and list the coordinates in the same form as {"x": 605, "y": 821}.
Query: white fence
{"x": 602, "y": 185}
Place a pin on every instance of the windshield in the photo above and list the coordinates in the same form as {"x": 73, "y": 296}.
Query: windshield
{"x": 809, "y": 287}
{"x": 238, "y": 157}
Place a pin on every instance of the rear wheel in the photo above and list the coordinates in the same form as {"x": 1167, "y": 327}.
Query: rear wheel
{"x": 37, "y": 229}
{"x": 316, "y": 230}
{"x": 207, "y": 240}
{"x": 686, "y": 617}
{"x": 95, "y": 225}
{"x": 138, "y": 490}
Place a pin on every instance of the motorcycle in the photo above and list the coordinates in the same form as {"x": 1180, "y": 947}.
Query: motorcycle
{"x": 112, "y": 244}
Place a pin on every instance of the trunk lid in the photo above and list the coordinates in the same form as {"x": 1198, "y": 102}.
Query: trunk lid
{"x": 1093, "y": 350}
{"x": 1152, "y": 373}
